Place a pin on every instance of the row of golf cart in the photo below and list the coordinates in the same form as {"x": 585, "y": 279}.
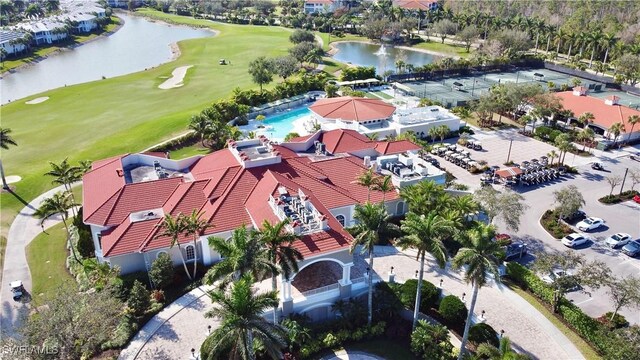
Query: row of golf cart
{"x": 456, "y": 155}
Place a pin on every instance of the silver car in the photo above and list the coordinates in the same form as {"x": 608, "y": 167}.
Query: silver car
{"x": 617, "y": 240}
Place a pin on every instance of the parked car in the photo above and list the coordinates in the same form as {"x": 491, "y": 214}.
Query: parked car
{"x": 553, "y": 275}
{"x": 637, "y": 199}
{"x": 590, "y": 223}
{"x": 632, "y": 248}
{"x": 617, "y": 240}
{"x": 597, "y": 166}
{"x": 16, "y": 289}
{"x": 515, "y": 251}
{"x": 574, "y": 240}
{"x": 575, "y": 217}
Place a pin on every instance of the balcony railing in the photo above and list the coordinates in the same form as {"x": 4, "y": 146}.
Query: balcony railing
{"x": 320, "y": 290}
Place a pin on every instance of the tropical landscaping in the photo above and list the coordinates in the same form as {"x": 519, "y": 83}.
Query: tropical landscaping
{"x": 274, "y": 63}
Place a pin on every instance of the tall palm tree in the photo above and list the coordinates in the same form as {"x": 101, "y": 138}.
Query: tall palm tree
{"x": 384, "y": 184}
{"x": 586, "y": 118}
{"x": 504, "y": 352}
{"x": 367, "y": 179}
{"x": 195, "y": 226}
{"x": 480, "y": 258}
{"x": 425, "y": 234}
{"x": 64, "y": 174}
{"x": 560, "y": 35}
{"x": 615, "y": 130}
{"x": 587, "y": 134}
{"x": 242, "y": 325}
{"x": 632, "y": 120}
{"x": 464, "y": 205}
{"x": 241, "y": 254}
{"x": 571, "y": 39}
{"x": 552, "y": 155}
{"x": 423, "y": 197}
{"x": 5, "y": 141}
{"x": 280, "y": 251}
{"x": 58, "y": 203}
{"x": 582, "y": 39}
{"x": 608, "y": 41}
{"x": 594, "y": 39}
{"x": 372, "y": 221}
{"x": 174, "y": 227}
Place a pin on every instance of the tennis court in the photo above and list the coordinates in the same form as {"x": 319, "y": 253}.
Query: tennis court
{"x": 458, "y": 91}
{"x": 626, "y": 99}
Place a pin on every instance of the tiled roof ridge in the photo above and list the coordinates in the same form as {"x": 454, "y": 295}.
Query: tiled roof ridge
{"x": 113, "y": 246}
{"x": 226, "y": 191}
{"x": 106, "y": 162}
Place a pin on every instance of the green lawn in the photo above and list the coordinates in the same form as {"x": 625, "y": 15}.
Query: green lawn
{"x": 586, "y": 350}
{"x": 47, "y": 255}
{"x": 188, "y": 151}
{"x": 127, "y": 113}
{"x": 445, "y": 49}
{"x": 41, "y": 52}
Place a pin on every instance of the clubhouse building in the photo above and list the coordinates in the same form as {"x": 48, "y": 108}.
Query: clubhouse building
{"x": 309, "y": 180}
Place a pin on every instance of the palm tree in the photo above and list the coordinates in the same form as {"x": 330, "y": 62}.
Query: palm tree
{"x": 372, "y": 221}
{"x": 194, "y": 225}
{"x": 594, "y": 39}
{"x": 384, "y": 184}
{"x": 368, "y": 179}
{"x": 615, "y": 130}
{"x": 586, "y": 135}
{"x": 242, "y": 326}
{"x": 480, "y": 258}
{"x": 425, "y": 233}
{"x": 586, "y": 118}
{"x": 280, "y": 251}
{"x": 608, "y": 40}
{"x": 632, "y": 120}
{"x": 582, "y": 39}
{"x": 58, "y": 203}
{"x": 174, "y": 227}
{"x": 241, "y": 254}
{"x": 560, "y": 35}
{"x": 5, "y": 141}
{"x": 201, "y": 126}
{"x": 552, "y": 155}
{"x": 64, "y": 174}
{"x": 423, "y": 197}
{"x": 504, "y": 352}
{"x": 571, "y": 38}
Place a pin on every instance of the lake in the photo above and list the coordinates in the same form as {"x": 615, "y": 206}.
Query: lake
{"x": 364, "y": 54}
{"x": 139, "y": 44}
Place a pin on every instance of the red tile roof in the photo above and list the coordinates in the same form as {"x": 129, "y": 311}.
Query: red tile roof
{"x": 396, "y": 147}
{"x": 605, "y": 115}
{"x": 352, "y": 108}
{"x": 229, "y": 195}
{"x": 415, "y": 4}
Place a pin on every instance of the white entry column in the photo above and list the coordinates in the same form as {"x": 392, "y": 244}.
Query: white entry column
{"x": 346, "y": 274}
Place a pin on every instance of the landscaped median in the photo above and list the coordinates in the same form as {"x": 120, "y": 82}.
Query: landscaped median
{"x": 618, "y": 198}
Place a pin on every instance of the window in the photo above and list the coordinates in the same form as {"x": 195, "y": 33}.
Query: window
{"x": 340, "y": 219}
{"x": 99, "y": 236}
{"x": 160, "y": 253}
{"x": 400, "y": 208}
{"x": 190, "y": 252}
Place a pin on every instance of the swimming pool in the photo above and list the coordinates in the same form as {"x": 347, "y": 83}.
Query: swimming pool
{"x": 279, "y": 125}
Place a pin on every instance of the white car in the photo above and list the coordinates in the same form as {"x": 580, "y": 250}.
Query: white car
{"x": 617, "y": 240}
{"x": 590, "y": 223}
{"x": 574, "y": 240}
{"x": 551, "y": 277}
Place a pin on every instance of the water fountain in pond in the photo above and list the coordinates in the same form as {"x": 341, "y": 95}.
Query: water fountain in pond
{"x": 381, "y": 52}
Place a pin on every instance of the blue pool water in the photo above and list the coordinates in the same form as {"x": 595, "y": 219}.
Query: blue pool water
{"x": 279, "y": 125}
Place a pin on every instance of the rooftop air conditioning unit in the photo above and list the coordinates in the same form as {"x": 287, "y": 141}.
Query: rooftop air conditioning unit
{"x": 367, "y": 161}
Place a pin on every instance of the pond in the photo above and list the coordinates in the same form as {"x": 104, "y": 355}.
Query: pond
{"x": 138, "y": 45}
{"x": 381, "y": 57}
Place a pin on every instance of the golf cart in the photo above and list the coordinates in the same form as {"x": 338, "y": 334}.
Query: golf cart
{"x": 17, "y": 289}
{"x": 597, "y": 166}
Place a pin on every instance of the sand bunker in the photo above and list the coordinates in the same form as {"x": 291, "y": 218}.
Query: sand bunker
{"x": 176, "y": 78}
{"x": 37, "y": 100}
{"x": 13, "y": 179}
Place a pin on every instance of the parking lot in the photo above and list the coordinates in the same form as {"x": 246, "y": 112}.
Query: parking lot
{"x": 624, "y": 217}
{"x": 495, "y": 150}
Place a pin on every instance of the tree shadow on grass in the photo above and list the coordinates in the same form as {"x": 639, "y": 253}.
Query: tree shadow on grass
{"x": 23, "y": 201}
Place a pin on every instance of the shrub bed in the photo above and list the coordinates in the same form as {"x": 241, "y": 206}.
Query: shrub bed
{"x": 615, "y": 199}
{"x": 453, "y": 310}
{"x": 430, "y": 295}
{"x": 483, "y": 333}
{"x": 557, "y": 229}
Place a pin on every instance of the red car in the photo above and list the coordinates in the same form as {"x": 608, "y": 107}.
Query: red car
{"x": 637, "y": 199}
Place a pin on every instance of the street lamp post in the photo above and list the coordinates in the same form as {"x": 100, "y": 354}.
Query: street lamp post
{"x": 509, "y": 154}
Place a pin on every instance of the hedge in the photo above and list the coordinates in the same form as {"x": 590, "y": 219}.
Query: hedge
{"x": 330, "y": 340}
{"x": 453, "y": 309}
{"x": 483, "y": 333}
{"x": 430, "y": 295}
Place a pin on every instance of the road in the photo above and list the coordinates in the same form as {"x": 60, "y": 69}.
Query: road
{"x": 623, "y": 217}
